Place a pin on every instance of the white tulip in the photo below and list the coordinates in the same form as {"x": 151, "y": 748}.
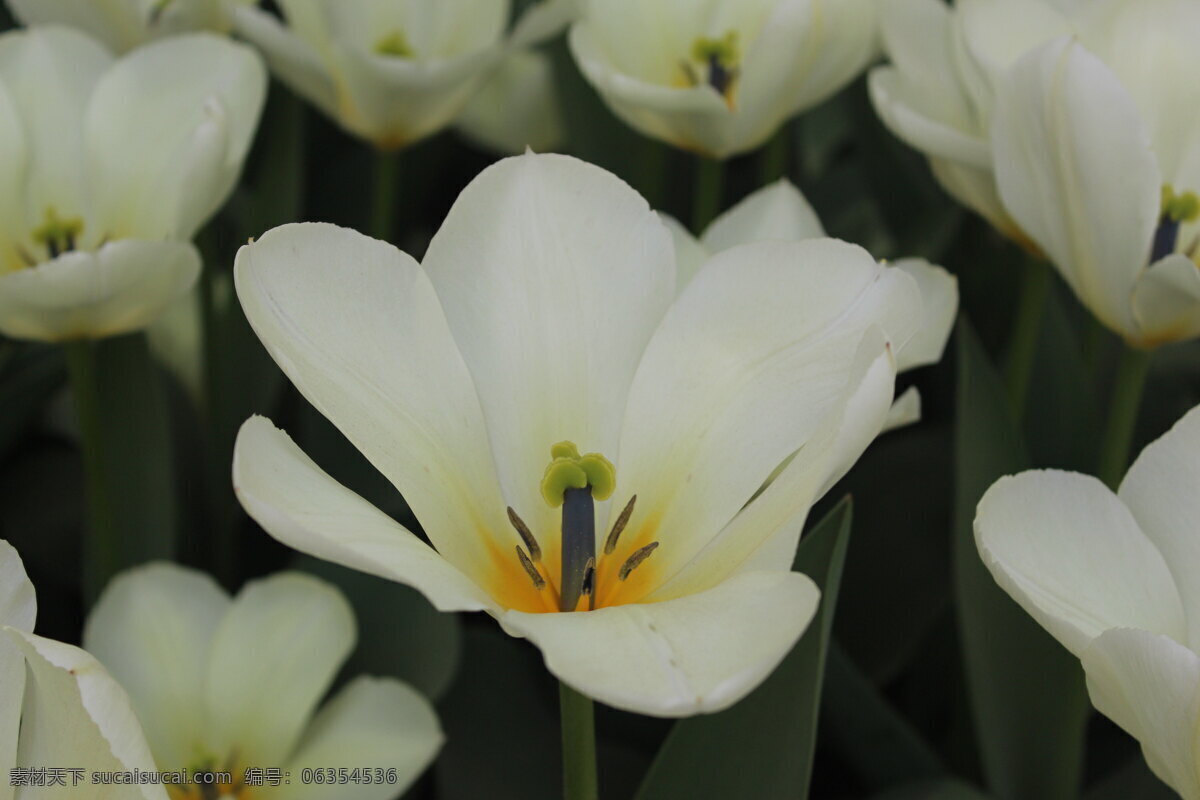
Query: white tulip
{"x": 545, "y": 313}
{"x": 393, "y": 71}
{"x": 1069, "y": 127}
{"x": 59, "y": 708}
{"x": 1116, "y": 579}
{"x": 125, "y": 24}
{"x": 516, "y": 107}
{"x": 222, "y": 685}
{"x": 720, "y": 77}
{"x": 107, "y": 169}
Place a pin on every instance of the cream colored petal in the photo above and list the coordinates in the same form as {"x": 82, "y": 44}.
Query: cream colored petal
{"x": 1150, "y": 686}
{"x": 273, "y": 656}
{"x": 14, "y": 167}
{"x": 1166, "y": 301}
{"x": 18, "y": 605}
{"x": 905, "y": 410}
{"x": 544, "y": 20}
{"x": 50, "y": 74}
{"x": 976, "y": 189}
{"x": 115, "y": 23}
{"x": 357, "y": 326}
{"x": 372, "y": 724}
{"x": 121, "y": 288}
{"x": 1076, "y": 171}
{"x": 939, "y": 306}
{"x": 75, "y": 715}
{"x": 751, "y": 363}
{"x": 1065, "y": 548}
{"x": 291, "y": 58}
{"x": 516, "y": 107}
{"x": 690, "y": 254}
{"x": 1159, "y": 490}
{"x": 554, "y": 274}
{"x": 903, "y": 110}
{"x": 166, "y": 133}
{"x": 152, "y": 628}
{"x": 18, "y": 608}
{"x": 842, "y": 41}
{"x": 301, "y": 506}
{"x": 775, "y": 212}
{"x": 696, "y": 654}
{"x": 434, "y": 30}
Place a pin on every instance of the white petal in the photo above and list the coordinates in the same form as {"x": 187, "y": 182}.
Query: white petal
{"x": 1160, "y": 490}
{"x": 14, "y": 165}
{"x": 75, "y": 715}
{"x": 750, "y": 364}
{"x": 358, "y": 328}
{"x": 1065, "y": 548}
{"x": 292, "y": 59}
{"x": 696, "y": 654}
{"x": 301, "y": 506}
{"x": 903, "y": 110}
{"x": 374, "y": 723}
{"x": 122, "y": 287}
{"x": 167, "y": 130}
{"x": 905, "y": 410}
{"x": 116, "y": 24}
{"x": 1075, "y": 170}
{"x": 516, "y": 107}
{"x": 1150, "y": 686}
{"x": 690, "y": 255}
{"x": 1166, "y": 301}
{"x": 775, "y": 212}
{"x": 273, "y": 657}
{"x": 18, "y": 604}
{"x": 152, "y": 628}
{"x": 939, "y": 299}
{"x": 50, "y": 74}
{"x": 553, "y": 274}
{"x": 543, "y": 20}
{"x": 976, "y": 189}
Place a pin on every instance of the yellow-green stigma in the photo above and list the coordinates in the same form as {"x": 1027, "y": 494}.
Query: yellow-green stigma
{"x": 1176, "y": 210}
{"x": 569, "y": 470}
{"x": 394, "y": 44}
{"x": 721, "y": 58}
{"x": 56, "y": 234}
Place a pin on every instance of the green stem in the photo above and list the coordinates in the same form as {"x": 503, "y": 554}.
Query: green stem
{"x": 578, "y": 745}
{"x": 1128, "y": 386}
{"x": 124, "y": 431}
{"x": 1022, "y": 343}
{"x": 706, "y": 194}
{"x": 773, "y": 159}
{"x": 383, "y": 207}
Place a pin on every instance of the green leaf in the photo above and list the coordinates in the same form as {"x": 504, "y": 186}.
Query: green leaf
{"x": 763, "y": 746}
{"x": 1027, "y": 695}
{"x": 1133, "y": 779}
{"x": 945, "y": 789}
{"x": 399, "y": 633}
{"x": 29, "y": 375}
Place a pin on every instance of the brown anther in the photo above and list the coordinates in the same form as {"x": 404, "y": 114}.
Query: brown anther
{"x": 589, "y": 583}
{"x": 539, "y": 582}
{"x": 610, "y": 543}
{"x": 635, "y": 560}
{"x": 535, "y": 552}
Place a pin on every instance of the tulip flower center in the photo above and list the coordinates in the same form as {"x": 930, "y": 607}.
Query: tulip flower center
{"x": 394, "y": 44}
{"x": 574, "y": 482}
{"x": 156, "y": 11}
{"x": 56, "y": 234}
{"x": 1177, "y": 210}
{"x": 715, "y": 62}
{"x": 208, "y": 783}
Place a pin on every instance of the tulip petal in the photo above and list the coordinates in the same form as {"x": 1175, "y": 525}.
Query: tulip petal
{"x": 273, "y": 657}
{"x": 113, "y": 23}
{"x": 358, "y": 328}
{"x": 75, "y": 715}
{"x": 976, "y": 189}
{"x": 1166, "y": 301}
{"x": 1070, "y": 553}
{"x": 699, "y": 653}
{"x": 293, "y": 59}
{"x": 1075, "y": 169}
{"x": 516, "y": 107}
{"x": 1160, "y": 490}
{"x": 189, "y": 107}
{"x": 775, "y": 212}
{"x": 122, "y": 287}
{"x": 750, "y": 364}
{"x": 301, "y": 506}
{"x": 554, "y": 274}
{"x": 18, "y": 604}
{"x": 50, "y": 74}
{"x": 939, "y": 301}
{"x": 690, "y": 255}
{"x": 905, "y": 410}
{"x": 372, "y": 724}
{"x": 1149, "y": 684}
{"x": 18, "y": 608}
{"x": 151, "y": 628}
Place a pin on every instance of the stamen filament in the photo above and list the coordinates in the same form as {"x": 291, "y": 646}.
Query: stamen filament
{"x": 539, "y": 582}
{"x": 635, "y": 560}
{"x": 610, "y": 543}
{"x": 535, "y": 552}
